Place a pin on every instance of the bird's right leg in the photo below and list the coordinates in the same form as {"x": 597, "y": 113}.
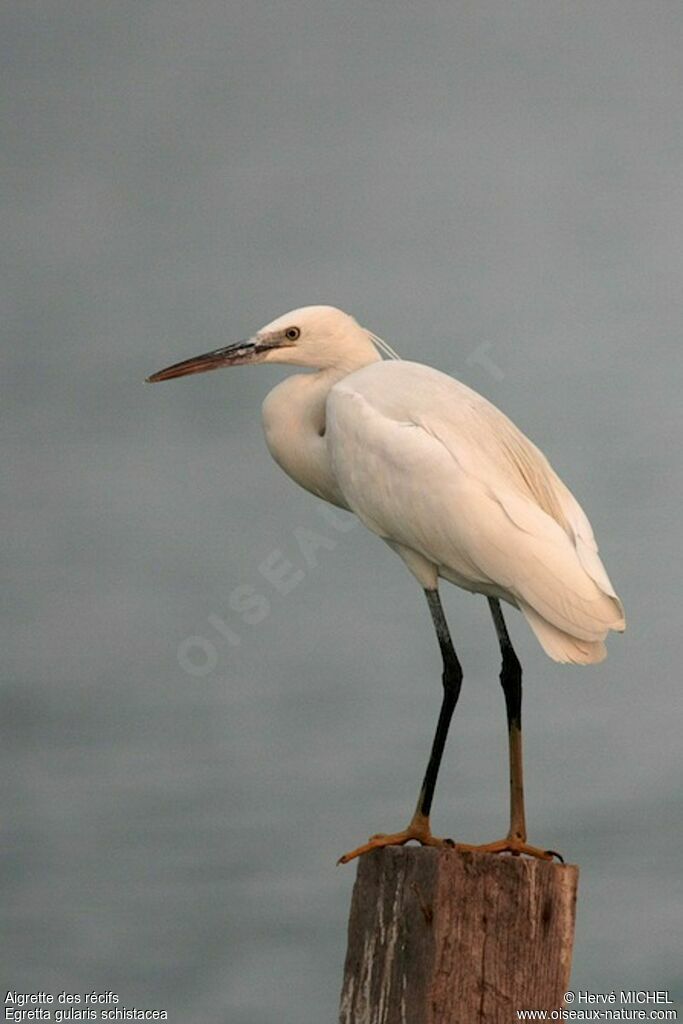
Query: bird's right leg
{"x": 419, "y": 827}
{"x": 511, "y": 680}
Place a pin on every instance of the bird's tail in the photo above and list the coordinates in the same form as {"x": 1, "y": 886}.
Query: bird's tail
{"x": 561, "y": 646}
{"x": 563, "y": 589}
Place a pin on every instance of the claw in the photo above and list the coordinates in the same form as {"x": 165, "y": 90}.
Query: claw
{"x": 554, "y": 853}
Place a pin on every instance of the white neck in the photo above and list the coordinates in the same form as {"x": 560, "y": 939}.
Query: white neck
{"x": 294, "y": 422}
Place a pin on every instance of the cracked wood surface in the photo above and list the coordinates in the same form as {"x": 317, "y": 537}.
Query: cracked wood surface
{"x": 442, "y": 937}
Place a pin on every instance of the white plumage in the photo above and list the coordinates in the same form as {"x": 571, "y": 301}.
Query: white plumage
{"x": 442, "y": 475}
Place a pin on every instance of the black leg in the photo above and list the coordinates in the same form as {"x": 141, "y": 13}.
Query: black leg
{"x": 511, "y": 681}
{"x": 419, "y": 828}
{"x": 452, "y": 681}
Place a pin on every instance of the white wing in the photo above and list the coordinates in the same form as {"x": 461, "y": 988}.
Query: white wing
{"x": 433, "y": 467}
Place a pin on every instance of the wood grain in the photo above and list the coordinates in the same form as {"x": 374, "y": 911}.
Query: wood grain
{"x": 444, "y": 937}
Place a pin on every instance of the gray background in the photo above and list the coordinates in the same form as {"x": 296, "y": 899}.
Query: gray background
{"x": 496, "y": 188}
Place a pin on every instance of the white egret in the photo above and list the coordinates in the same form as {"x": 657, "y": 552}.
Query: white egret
{"x": 458, "y": 492}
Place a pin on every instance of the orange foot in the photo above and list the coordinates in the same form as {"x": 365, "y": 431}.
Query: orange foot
{"x": 514, "y": 846}
{"x": 418, "y": 830}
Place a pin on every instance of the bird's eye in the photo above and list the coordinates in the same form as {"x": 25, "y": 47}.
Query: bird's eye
{"x": 292, "y": 333}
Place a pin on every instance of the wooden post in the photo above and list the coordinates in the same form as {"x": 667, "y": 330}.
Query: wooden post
{"x": 443, "y": 937}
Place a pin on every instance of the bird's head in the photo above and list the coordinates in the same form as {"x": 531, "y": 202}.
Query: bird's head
{"x": 319, "y": 337}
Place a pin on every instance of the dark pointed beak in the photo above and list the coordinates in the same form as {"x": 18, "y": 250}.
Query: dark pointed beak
{"x": 232, "y": 355}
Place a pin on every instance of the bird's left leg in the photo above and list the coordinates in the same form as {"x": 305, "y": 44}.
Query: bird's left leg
{"x": 511, "y": 681}
{"x": 419, "y": 828}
